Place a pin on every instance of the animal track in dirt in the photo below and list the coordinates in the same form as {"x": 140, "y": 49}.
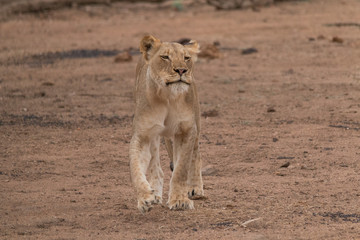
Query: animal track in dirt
{"x": 32, "y": 120}
{"x": 38, "y": 60}
{"x": 352, "y": 217}
{"x": 53, "y": 121}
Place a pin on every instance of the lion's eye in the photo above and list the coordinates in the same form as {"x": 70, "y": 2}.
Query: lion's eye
{"x": 164, "y": 57}
{"x": 187, "y": 58}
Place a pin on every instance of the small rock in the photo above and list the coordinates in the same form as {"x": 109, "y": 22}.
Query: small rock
{"x": 49, "y": 84}
{"x": 209, "y": 51}
{"x": 285, "y": 165}
{"x": 209, "y": 170}
{"x": 284, "y": 157}
{"x": 106, "y": 80}
{"x": 241, "y": 90}
{"x": 220, "y": 142}
{"x": 123, "y": 57}
{"x": 229, "y": 206}
{"x": 247, "y": 51}
{"x": 40, "y": 94}
{"x": 210, "y": 113}
{"x": 217, "y": 43}
{"x": 183, "y": 41}
{"x": 337, "y": 40}
{"x": 321, "y": 37}
{"x": 275, "y": 139}
{"x": 290, "y": 71}
{"x": 271, "y": 109}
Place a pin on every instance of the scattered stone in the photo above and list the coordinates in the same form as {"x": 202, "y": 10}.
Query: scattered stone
{"x": 285, "y": 165}
{"x": 209, "y": 51}
{"x": 289, "y": 71}
{"x": 280, "y": 174}
{"x": 271, "y": 109}
{"x": 337, "y": 40}
{"x": 209, "y": 170}
{"x": 219, "y": 143}
{"x": 247, "y": 51}
{"x": 123, "y": 57}
{"x": 229, "y": 206}
{"x": 241, "y": 90}
{"x": 40, "y": 94}
{"x": 210, "y": 113}
{"x": 106, "y": 80}
{"x": 345, "y": 24}
{"x": 282, "y": 157}
{"x": 223, "y": 224}
{"x": 275, "y": 140}
{"x": 183, "y": 41}
{"x": 344, "y": 127}
{"x": 238, "y": 4}
{"x": 48, "y": 84}
{"x": 311, "y": 39}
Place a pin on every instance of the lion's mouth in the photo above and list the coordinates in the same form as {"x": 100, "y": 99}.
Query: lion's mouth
{"x": 178, "y": 81}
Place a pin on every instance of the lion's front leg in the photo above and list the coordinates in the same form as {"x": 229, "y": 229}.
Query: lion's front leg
{"x": 140, "y": 157}
{"x": 195, "y": 182}
{"x": 154, "y": 172}
{"x": 183, "y": 151}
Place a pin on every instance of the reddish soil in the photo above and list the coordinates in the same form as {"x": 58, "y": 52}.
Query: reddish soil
{"x": 65, "y": 123}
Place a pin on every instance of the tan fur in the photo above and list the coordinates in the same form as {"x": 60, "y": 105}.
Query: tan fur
{"x": 166, "y": 108}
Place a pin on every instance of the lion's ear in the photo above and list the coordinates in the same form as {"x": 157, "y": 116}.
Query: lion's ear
{"x": 194, "y": 48}
{"x": 149, "y": 45}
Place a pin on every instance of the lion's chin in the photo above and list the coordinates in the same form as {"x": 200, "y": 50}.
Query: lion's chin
{"x": 178, "y": 88}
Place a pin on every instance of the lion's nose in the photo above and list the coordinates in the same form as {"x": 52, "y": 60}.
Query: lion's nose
{"x": 180, "y": 71}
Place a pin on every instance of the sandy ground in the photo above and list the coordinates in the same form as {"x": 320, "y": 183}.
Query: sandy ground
{"x": 280, "y": 127}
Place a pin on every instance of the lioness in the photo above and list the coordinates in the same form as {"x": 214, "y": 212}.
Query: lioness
{"x": 166, "y": 104}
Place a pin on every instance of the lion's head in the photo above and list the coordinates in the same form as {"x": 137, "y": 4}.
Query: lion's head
{"x": 170, "y": 64}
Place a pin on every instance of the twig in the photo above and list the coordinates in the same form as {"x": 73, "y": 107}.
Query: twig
{"x": 244, "y": 224}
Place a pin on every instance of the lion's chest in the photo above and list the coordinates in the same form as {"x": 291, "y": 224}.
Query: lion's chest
{"x": 171, "y": 119}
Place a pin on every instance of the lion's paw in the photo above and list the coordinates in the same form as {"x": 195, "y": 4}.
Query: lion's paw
{"x": 146, "y": 202}
{"x": 180, "y": 204}
{"x": 196, "y": 193}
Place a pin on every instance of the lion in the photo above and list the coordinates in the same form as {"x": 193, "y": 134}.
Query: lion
{"x": 166, "y": 105}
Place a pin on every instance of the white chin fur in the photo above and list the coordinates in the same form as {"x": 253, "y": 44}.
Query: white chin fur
{"x": 178, "y": 89}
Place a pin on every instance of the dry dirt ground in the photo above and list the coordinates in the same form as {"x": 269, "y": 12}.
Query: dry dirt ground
{"x": 280, "y": 126}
